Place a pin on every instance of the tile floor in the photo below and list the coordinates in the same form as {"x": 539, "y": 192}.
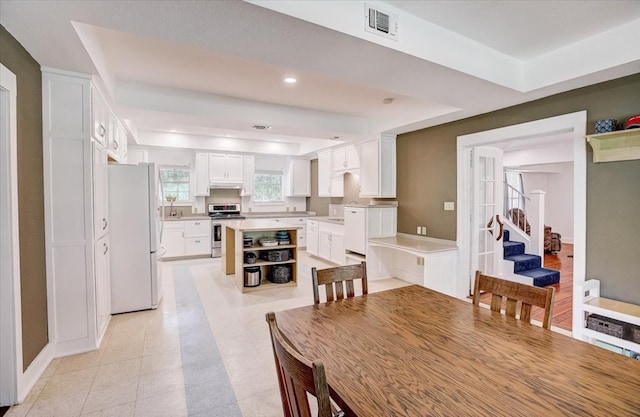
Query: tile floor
{"x": 140, "y": 368}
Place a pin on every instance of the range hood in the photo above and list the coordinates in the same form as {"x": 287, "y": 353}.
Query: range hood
{"x": 226, "y": 185}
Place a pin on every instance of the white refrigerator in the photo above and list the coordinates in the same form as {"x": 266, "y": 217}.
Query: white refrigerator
{"x": 135, "y": 234}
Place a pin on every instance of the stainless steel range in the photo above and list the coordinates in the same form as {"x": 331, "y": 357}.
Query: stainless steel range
{"x": 219, "y": 213}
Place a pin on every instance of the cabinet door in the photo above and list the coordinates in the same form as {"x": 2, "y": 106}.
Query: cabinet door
{"x": 100, "y": 191}
{"x": 370, "y": 169}
{"x": 197, "y": 228}
{"x": 197, "y": 246}
{"x": 339, "y": 159}
{"x": 355, "y": 231}
{"x": 102, "y": 284}
{"x": 324, "y": 174}
{"x": 234, "y": 168}
{"x": 217, "y": 168}
{"x": 202, "y": 175}
{"x": 248, "y": 177}
{"x": 312, "y": 238}
{"x": 98, "y": 117}
{"x": 352, "y": 158}
{"x": 324, "y": 244}
{"x": 300, "y": 178}
{"x": 173, "y": 241}
{"x": 337, "y": 249}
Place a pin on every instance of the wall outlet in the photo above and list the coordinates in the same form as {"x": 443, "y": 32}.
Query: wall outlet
{"x": 418, "y": 230}
{"x": 420, "y": 261}
{"x": 424, "y": 230}
{"x": 449, "y": 205}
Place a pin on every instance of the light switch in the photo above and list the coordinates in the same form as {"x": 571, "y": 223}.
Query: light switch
{"x": 449, "y": 205}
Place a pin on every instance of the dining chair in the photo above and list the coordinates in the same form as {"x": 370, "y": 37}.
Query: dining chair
{"x": 338, "y": 281}
{"x": 527, "y": 295}
{"x": 298, "y": 376}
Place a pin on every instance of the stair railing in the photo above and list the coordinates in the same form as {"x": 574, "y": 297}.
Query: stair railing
{"x": 510, "y": 194}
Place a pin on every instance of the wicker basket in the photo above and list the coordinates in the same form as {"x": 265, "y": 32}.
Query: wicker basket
{"x": 279, "y": 274}
{"x": 606, "y": 325}
{"x": 276, "y": 255}
{"x": 634, "y": 334}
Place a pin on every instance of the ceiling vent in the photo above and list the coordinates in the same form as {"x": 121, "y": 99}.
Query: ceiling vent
{"x": 381, "y": 22}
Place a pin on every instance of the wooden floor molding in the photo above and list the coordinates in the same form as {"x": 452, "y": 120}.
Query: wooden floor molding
{"x": 563, "y": 305}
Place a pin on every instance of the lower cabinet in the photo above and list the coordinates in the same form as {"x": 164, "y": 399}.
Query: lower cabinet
{"x": 302, "y": 232}
{"x": 331, "y": 242}
{"x": 173, "y": 238}
{"x": 312, "y": 237}
{"x": 103, "y": 284}
{"x": 187, "y": 238}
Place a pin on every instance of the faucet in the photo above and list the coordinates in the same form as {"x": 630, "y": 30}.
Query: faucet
{"x": 352, "y": 202}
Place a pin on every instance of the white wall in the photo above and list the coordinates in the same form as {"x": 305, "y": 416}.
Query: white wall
{"x": 557, "y": 181}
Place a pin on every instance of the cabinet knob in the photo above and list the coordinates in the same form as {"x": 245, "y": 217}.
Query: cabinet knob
{"x": 102, "y": 131}
{"x": 106, "y": 249}
{"x": 197, "y": 241}
{"x": 197, "y": 223}
{"x": 104, "y": 223}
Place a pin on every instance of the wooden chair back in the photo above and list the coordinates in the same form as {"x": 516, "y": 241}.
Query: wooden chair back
{"x": 338, "y": 281}
{"x": 298, "y": 376}
{"x": 528, "y": 295}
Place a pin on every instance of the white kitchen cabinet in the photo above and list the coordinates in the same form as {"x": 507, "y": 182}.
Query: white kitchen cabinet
{"x": 302, "y": 232}
{"x": 202, "y": 175}
{"x": 328, "y": 184}
{"x": 76, "y": 276}
{"x": 136, "y": 156}
{"x": 378, "y": 168}
{"x": 225, "y": 168}
{"x": 173, "y": 238}
{"x": 103, "y": 283}
{"x": 248, "y": 176}
{"x": 355, "y": 227}
{"x": 197, "y": 237}
{"x": 331, "y": 242}
{"x": 299, "y": 178}
{"x": 99, "y": 117}
{"x": 362, "y": 223}
{"x": 345, "y": 159}
{"x": 100, "y": 190}
{"x": 312, "y": 237}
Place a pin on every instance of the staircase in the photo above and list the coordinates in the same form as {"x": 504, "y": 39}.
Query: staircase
{"x": 528, "y": 266}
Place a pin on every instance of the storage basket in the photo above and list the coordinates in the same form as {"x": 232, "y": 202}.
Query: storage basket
{"x": 276, "y": 255}
{"x": 279, "y": 274}
{"x": 634, "y": 334}
{"x": 606, "y": 325}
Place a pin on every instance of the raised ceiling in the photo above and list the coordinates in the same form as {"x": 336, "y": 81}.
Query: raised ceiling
{"x": 188, "y": 73}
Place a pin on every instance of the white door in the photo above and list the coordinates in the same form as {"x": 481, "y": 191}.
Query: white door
{"x": 486, "y": 232}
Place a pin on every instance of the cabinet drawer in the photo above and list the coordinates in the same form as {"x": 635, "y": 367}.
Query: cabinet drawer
{"x": 197, "y": 246}
{"x": 174, "y": 225}
{"x": 197, "y": 228}
{"x": 302, "y": 240}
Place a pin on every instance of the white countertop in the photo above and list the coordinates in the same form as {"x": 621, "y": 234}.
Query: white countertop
{"x": 259, "y": 225}
{"x": 414, "y": 245}
{"x": 176, "y": 218}
{"x": 280, "y": 214}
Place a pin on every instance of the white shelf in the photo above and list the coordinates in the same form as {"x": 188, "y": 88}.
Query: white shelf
{"x": 620, "y": 145}
{"x": 626, "y": 344}
{"x": 629, "y": 313}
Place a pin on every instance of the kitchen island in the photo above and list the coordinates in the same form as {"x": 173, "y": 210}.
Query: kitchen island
{"x": 276, "y": 264}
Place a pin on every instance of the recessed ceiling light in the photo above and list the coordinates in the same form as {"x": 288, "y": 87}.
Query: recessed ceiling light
{"x": 290, "y": 80}
{"x": 229, "y": 136}
{"x": 260, "y": 127}
{"x": 173, "y": 130}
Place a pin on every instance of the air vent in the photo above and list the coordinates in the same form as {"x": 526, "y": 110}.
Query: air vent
{"x": 381, "y": 22}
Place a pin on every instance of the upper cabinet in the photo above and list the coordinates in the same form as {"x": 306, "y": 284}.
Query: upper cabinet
{"x": 378, "y": 168}
{"x": 202, "y": 175}
{"x": 328, "y": 184}
{"x": 106, "y": 128}
{"x": 249, "y": 168}
{"x": 225, "y": 169}
{"x": 345, "y": 159}
{"x": 299, "y": 178}
{"x": 99, "y": 117}
{"x": 620, "y": 145}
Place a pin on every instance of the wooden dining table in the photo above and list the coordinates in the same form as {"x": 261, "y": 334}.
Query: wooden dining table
{"x": 412, "y": 351}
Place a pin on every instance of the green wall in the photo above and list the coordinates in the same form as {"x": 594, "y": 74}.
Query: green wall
{"x": 427, "y": 178}
{"x": 30, "y": 195}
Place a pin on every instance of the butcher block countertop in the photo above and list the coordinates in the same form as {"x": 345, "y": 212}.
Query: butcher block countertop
{"x": 259, "y": 225}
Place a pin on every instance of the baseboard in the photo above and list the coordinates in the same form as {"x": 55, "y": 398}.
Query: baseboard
{"x": 28, "y": 379}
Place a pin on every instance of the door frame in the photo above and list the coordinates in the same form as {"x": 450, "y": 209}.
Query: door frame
{"x": 571, "y": 123}
{"x": 10, "y": 302}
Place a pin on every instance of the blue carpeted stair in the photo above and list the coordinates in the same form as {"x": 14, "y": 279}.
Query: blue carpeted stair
{"x": 528, "y": 265}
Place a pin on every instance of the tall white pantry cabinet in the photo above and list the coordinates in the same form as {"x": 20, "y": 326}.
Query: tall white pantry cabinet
{"x": 76, "y": 213}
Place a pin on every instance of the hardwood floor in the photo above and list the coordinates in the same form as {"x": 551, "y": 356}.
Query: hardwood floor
{"x": 563, "y": 305}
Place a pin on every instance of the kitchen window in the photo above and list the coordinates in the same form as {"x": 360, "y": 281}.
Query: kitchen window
{"x": 268, "y": 187}
{"x": 176, "y": 182}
